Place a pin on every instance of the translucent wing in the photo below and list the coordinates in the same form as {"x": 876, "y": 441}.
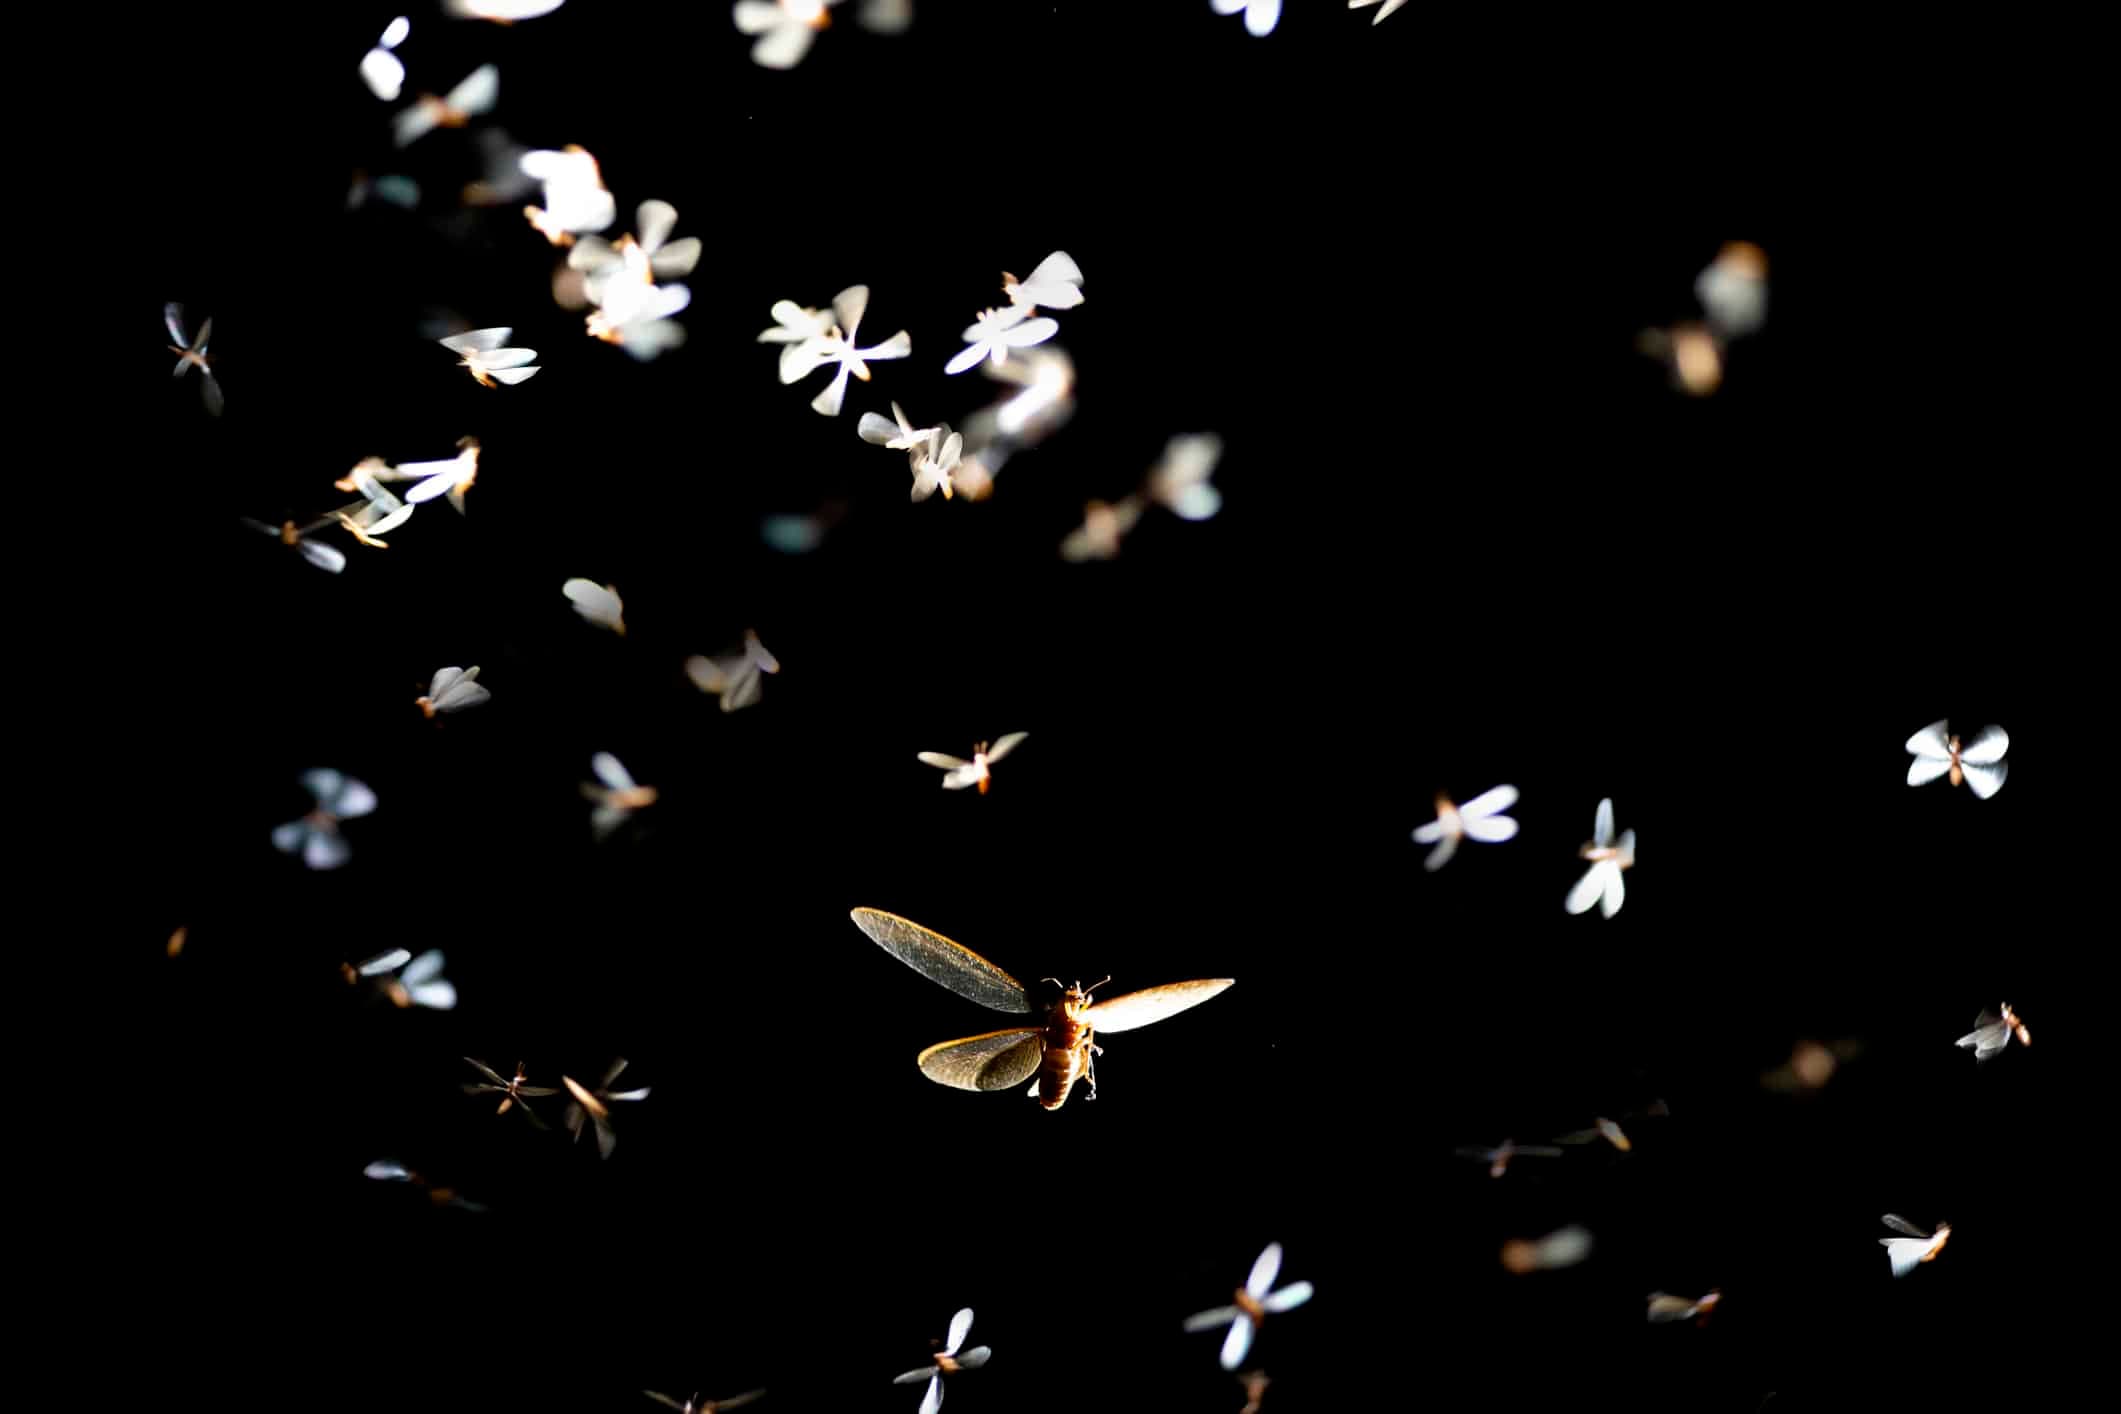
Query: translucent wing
{"x": 383, "y": 962}
{"x": 512, "y": 376}
{"x": 1616, "y": 889}
{"x": 352, "y": 800}
{"x": 743, "y": 689}
{"x": 1236, "y": 1343}
{"x": 466, "y": 694}
{"x": 1137, "y": 1009}
{"x": 827, "y": 403}
{"x": 1006, "y": 744}
{"x": 977, "y": 1356}
{"x": 477, "y": 92}
{"x": 848, "y": 306}
{"x": 1986, "y": 780}
{"x": 998, "y": 1060}
{"x": 1989, "y": 1036}
{"x": 706, "y": 674}
{"x": 1602, "y": 833}
{"x": 1627, "y": 849}
{"x": 960, "y": 1327}
{"x": 914, "y": 1377}
{"x": 507, "y": 358}
{"x": 325, "y": 849}
{"x": 1900, "y": 1224}
{"x": 610, "y": 772}
{"x": 938, "y": 759}
{"x": 877, "y": 429}
{"x": 1490, "y": 802}
{"x": 1588, "y": 888}
{"x": 1492, "y": 829}
{"x": 1931, "y": 740}
{"x": 477, "y": 340}
{"x": 760, "y": 657}
{"x": 1265, "y": 1268}
{"x": 738, "y": 1401}
{"x": 482, "y": 1068}
{"x": 963, "y": 776}
{"x": 1209, "y": 1320}
{"x": 1432, "y": 832}
{"x": 933, "y": 1399}
{"x": 210, "y": 392}
{"x": 966, "y": 358}
{"x": 388, "y": 1170}
{"x": 1986, "y": 748}
{"x": 1295, "y": 1294}
{"x": 1669, "y": 1308}
{"x": 653, "y": 222}
{"x": 328, "y": 558}
{"x": 942, "y": 961}
{"x": 173, "y": 318}
{"x": 427, "y": 965}
{"x": 899, "y": 345}
{"x": 1905, "y": 1253}
{"x": 1924, "y": 769}
{"x": 1031, "y": 331}
{"x": 1446, "y": 846}
{"x": 676, "y": 260}
{"x": 442, "y": 682}
{"x": 1053, "y": 284}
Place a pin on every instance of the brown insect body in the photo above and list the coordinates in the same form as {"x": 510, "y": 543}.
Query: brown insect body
{"x": 2010, "y": 1019}
{"x": 1958, "y": 777}
{"x": 1069, "y": 1042}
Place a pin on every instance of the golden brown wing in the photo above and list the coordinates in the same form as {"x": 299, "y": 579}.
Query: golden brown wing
{"x": 936, "y": 958}
{"x": 998, "y": 1060}
{"x": 1140, "y": 1008}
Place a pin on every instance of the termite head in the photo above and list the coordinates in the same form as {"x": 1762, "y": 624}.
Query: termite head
{"x": 2010, "y": 1019}
{"x": 1937, "y": 1239}
{"x": 426, "y": 705}
{"x": 1076, "y": 999}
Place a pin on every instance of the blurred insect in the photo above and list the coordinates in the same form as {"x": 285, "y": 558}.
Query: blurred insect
{"x": 1390, "y": 6}
{"x": 1978, "y": 763}
{"x": 617, "y": 798}
{"x": 1992, "y": 1033}
{"x": 378, "y": 512}
{"x": 175, "y": 945}
{"x": 803, "y": 331}
{"x": 650, "y": 256}
{"x": 576, "y": 199}
{"x": 475, "y": 95}
{"x": 947, "y": 1362}
{"x": 1046, "y": 376}
{"x": 1179, "y": 482}
{"x": 838, "y": 346}
{"x": 1604, "y": 1129}
{"x": 1255, "y": 1383}
{"x": 1665, "y": 1308}
{"x": 937, "y": 467}
{"x": 993, "y": 332}
{"x": 329, "y": 558}
{"x": 593, "y": 1106}
{"x": 1692, "y": 352}
{"x": 1498, "y": 1159}
{"x": 786, "y": 29}
{"x": 392, "y": 188}
{"x": 316, "y": 835}
{"x": 1563, "y": 1248}
{"x": 453, "y": 690}
{"x": 1911, "y": 1251}
{"x": 1254, "y": 1304}
{"x": 1260, "y": 15}
{"x": 896, "y": 432}
{"x": 381, "y": 70}
{"x": 1057, "y": 283}
{"x": 501, "y": 12}
{"x": 1058, "y": 1050}
{"x": 420, "y": 984}
{"x": 514, "y": 1093}
{"x": 641, "y": 322}
{"x": 450, "y": 476}
{"x": 489, "y": 361}
{"x": 696, "y": 1405}
{"x": 1733, "y": 289}
{"x": 598, "y": 603}
{"x": 960, "y": 773}
{"x": 1603, "y": 883}
{"x": 1810, "y": 1066}
{"x": 191, "y": 353}
{"x": 735, "y": 678}
{"x": 1480, "y": 818}
{"x": 391, "y": 1171}
{"x": 1103, "y": 527}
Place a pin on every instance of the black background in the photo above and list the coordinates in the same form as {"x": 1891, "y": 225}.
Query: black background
{"x": 1470, "y": 536}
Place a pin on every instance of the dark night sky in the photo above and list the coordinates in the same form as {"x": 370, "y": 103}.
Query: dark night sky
{"x": 1470, "y": 536}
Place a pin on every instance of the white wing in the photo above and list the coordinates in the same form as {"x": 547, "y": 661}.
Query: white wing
{"x": 1590, "y": 887}
{"x": 1295, "y": 1294}
{"x": 1208, "y": 1320}
{"x": 352, "y": 800}
{"x": 384, "y": 73}
{"x": 1986, "y": 748}
{"x": 1263, "y": 1271}
{"x": 960, "y": 778}
{"x": 1924, "y": 769}
{"x": 933, "y": 1399}
{"x": 877, "y": 429}
{"x": 960, "y": 1327}
{"x": 477, "y": 92}
{"x": 1236, "y": 1343}
{"x": 1602, "y": 833}
{"x": 938, "y": 759}
{"x": 1616, "y": 889}
{"x": 1489, "y": 802}
{"x": 325, "y": 849}
{"x": 477, "y": 340}
{"x": 1429, "y": 833}
{"x": 595, "y": 602}
{"x": 1441, "y": 855}
{"x": 610, "y": 772}
{"x": 743, "y": 687}
{"x": 1986, "y": 780}
{"x": 426, "y": 967}
{"x": 512, "y": 376}
{"x": 1900, "y": 1224}
{"x": 436, "y": 995}
{"x": 464, "y": 694}
{"x": 1930, "y": 741}
{"x": 758, "y": 653}
{"x": 1053, "y": 284}
{"x": 1988, "y": 1037}
{"x": 827, "y": 403}
{"x": 1006, "y": 745}
{"x": 1906, "y": 1252}
{"x": 287, "y": 838}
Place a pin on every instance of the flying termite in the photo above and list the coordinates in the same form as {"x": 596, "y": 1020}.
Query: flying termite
{"x": 420, "y": 984}
{"x": 1978, "y": 763}
{"x": 191, "y": 353}
{"x": 1665, "y": 1308}
{"x": 594, "y": 1106}
{"x": 1992, "y": 1033}
{"x": 960, "y": 773}
{"x": 1058, "y": 1050}
{"x": 514, "y": 1093}
{"x": 1254, "y": 1303}
{"x": 1917, "y": 1247}
{"x": 1498, "y": 1159}
{"x": 697, "y": 1405}
{"x": 1564, "y": 1248}
{"x": 1603, "y": 883}
{"x": 947, "y": 1361}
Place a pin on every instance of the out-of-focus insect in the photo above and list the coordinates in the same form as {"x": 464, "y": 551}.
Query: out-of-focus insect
{"x": 475, "y": 95}
{"x": 947, "y": 1362}
{"x": 1390, "y": 6}
{"x": 1665, "y": 1308}
{"x": 329, "y": 558}
{"x": 576, "y": 199}
{"x": 1046, "y": 376}
{"x": 393, "y": 189}
{"x": 785, "y": 29}
{"x": 1603, "y": 883}
{"x": 452, "y": 690}
{"x": 1058, "y": 1050}
{"x": 650, "y": 256}
{"x": 420, "y": 984}
{"x": 1179, "y": 482}
{"x": 316, "y": 835}
{"x": 993, "y": 332}
{"x": 383, "y": 71}
{"x": 895, "y": 432}
{"x": 1911, "y": 1251}
{"x": 1563, "y": 1248}
{"x": 960, "y": 773}
{"x": 1979, "y": 763}
{"x": 1057, "y": 283}
{"x": 501, "y": 12}
{"x": 1498, "y": 1159}
{"x": 937, "y": 467}
{"x": 734, "y": 677}
{"x": 391, "y": 1171}
{"x": 378, "y": 512}
{"x": 1733, "y": 289}
{"x": 594, "y": 1106}
{"x": 1255, "y": 1383}
{"x": 449, "y": 476}
{"x": 616, "y": 798}
{"x": 191, "y": 353}
{"x": 1254, "y": 1304}
{"x": 1692, "y": 352}
{"x": 838, "y": 346}
{"x": 489, "y": 361}
{"x": 803, "y": 331}
{"x": 1992, "y": 1033}
{"x": 1810, "y": 1066}
{"x": 514, "y": 1093}
{"x": 598, "y": 603}
{"x": 1103, "y": 527}
{"x": 640, "y": 321}
{"x": 1480, "y": 818}
{"x": 697, "y": 1405}
{"x": 1601, "y": 1128}
{"x": 1260, "y": 15}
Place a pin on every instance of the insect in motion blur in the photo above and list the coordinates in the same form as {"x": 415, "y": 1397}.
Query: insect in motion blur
{"x": 1057, "y": 283}
{"x": 420, "y": 984}
{"x": 490, "y": 362}
{"x": 1260, "y": 15}
{"x": 697, "y": 1405}
{"x": 1564, "y": 1248}
{"x": 452, "y": 690}
{"x": 1810, "y": 1066}
{"x": 594, "y": 1106}
{"x": 329, "y": 558}
{"x": 617, "y": 797}
{"x": 1979, "y": 763}
{"x": 1911, "y": 1251}
{"x": 959, "y": 773}
{"x": 1498, "y": 1159}
{"x": 473, "y": 96}
{"x": 1665, "y": 1308}
{"x": 316, "y": 835}
{"x": 1610, "y": 1131}
{"x": 1254, "y": 1303}
{"x": 191, "y": 353}
{"x": 733, "y": 677}
{"x": 1992, "y": 1033}
{"x": 514, "y": 1093}
{"x": 1602, "y": 883}
{"x": 1480, "y": 818}
{"x": 1058, "y": 1050}
{"x": 947, "y": 1362}
{"x": 1255, "y": 1383}
{"x": 391, "y": 1171}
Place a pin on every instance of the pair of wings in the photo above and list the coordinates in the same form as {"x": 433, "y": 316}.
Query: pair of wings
{"x": 598, "y": 603}
{"x": 454, "y": 689}
{"x": 1001, "y": 1060}
{"x": 996, "y": 752}
{"x": 696, "y": 1405}
{"x": 422, "y": 978}
{"x": 1980, "y": 760}
{"x": 1991, "y": 1034}
{"x": 998, "y": 331}
{"x": 1055, "y": 284}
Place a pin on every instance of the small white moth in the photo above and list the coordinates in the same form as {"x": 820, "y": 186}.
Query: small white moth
{"x": 1179, "y": 482}
{"x": 1733, "y": 289}
{"x": 616, "y": 798}
{"x": 1603, "y": 883}
{"x": 838, "y": 346}
{"x": 383, "y": 71}
{"x": 1480, "y": 818}
{"x": 1260, "y": 15}
{"x": 1992, "y": 1033}
{"x": 1563, "y": 1248}
{"x": 1978, "y": 763}
{"x": 453, "y": 690}
{"x": 191, "y": 353}
{"x": 595, "y": 1105}
{"x": 786, "y": 29}
{"x": 598, "y": 603}
{"x": 329, "y": 558}
{"x": 1911, "y": 1251}
{"x": 1254, "y": 1304}
{"x": 734, "y": 677}
{"x": 485, "y": 354}
{"x": 1057, "y": 283}
{"x": 947, "y": 1362}
{"x": 960, "y": 773}
{"x": 576, "y": 200}
{"x": 316, "y": 835}
{"x": 996, "y": 331}
{"x": 475, "y": 95}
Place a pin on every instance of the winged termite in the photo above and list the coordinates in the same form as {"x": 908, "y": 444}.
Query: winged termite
{"x": 316, "y": 835}
{"x": 1993, "y": 1032}
{"x": 1692, "y": 352}
{"x": 994, "y": 332}
{"x": 176, "y": 942}
{"x": 1260, "y": 15}
{"x": 1390, "y": 6}
{"x": 1810, "y": 1066}
{"x": 501, "y": 12}
{"x": 1733, "y": 289}
{"x": 1179, "y": 480}
{"x": 1917, "y": 1247}
{"x": 420, "y": 984}
{"x": 785, "y": 29}
{"x": 947, "y": 1361}
{"x": 391, "y": 1171}
{"x": 449, "y": 476}
{"x": 513, "y": 1092}
{"x": 1979, "y": 763}
{"x": 1563, "y": 1248}
{"x": 594, "y": 1106}
{"x": 1058, "y": 1049}
{"x": 697, "y": 1405}
{"x": 191, "y": 353}
{"x": 957, "y": 773}
{"x": 1480, "y": 818}
{"x": 329, "y": 558}
{"x": 734, "y": 677}
{"x": 1498, "y": 1159}
{"x": 1602, "y": 1128}
{"x": 377, "y": 513}
{"x": 1057, "y": 283}
{"x": 1603, "y": 883}
{"x": 1665, "y": 1308}
{"x": 895, "y": 431}
{"x": 644, "y": 258}
{"x": 838, "y": 346}
{"x": 1254, "y": 1303}
{"x": 1103, "y": 527}
{"x": 598, "y": 603}
{"x": 453, "y": 690}
{"x": 489, "y": 361}
{"x": 383, "y": 71}
{"x": 1045, "y": 377}
{"x": 801, "y": 332}
{"x": 617, "y": 797}
{"x": 475, "y": 95}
